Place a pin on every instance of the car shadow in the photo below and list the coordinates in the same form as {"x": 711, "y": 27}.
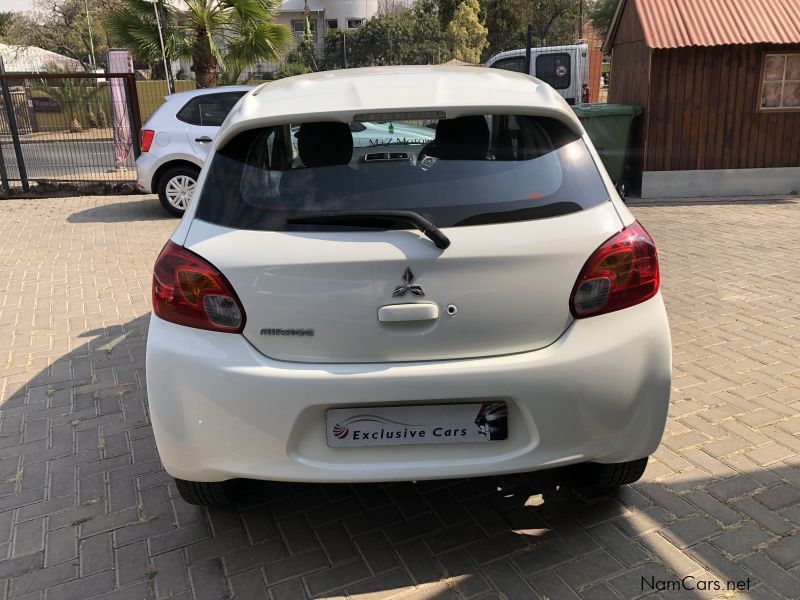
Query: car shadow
{"x": 145, "y": 209}
{"x": 78, "y": 462}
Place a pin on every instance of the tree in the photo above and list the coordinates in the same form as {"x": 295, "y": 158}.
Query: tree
{"x": 425, "y": 9}
{"x": 303, "y": 59}
{"x": 466, "y": 35}
{"x": 446, "y": 9}
{"x": 600, "y": 13}
{"x": 554, "y": 22}
{"x": 77, "y": 97}
{"x": 411, "y": 37}
{"x": 61, "y": 26}
{"x": 215, "y": 35}
{"x": 6, "y": 21}
{"x": 305, "y": 47}
{"x": 506, "y": 22}
{"x": 392, "y": 7}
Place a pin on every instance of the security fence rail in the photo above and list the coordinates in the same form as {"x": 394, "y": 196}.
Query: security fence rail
{"x": 74, "y": 127}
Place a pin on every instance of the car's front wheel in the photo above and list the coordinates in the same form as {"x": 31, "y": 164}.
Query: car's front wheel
{"x": 207, "y": 493}
{"x": 611, "y": 475}
{"x": 176, "y": 187}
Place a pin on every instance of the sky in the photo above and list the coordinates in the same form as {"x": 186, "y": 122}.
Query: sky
{"x": 15, "y": 5}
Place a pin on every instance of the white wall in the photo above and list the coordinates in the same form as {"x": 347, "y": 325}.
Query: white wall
{"x": 720, "y": 182}
{"x": 350, "y": 9}
{"x": 321, "y": 11}
{"x": 333, "y": 9}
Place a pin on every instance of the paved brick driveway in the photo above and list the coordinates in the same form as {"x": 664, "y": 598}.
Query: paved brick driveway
{"x": 85, "y": 509}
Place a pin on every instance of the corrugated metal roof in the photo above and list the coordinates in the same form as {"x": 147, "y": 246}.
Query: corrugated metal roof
{"x": 680, "y": 23}
{"x": 35, "y": 59}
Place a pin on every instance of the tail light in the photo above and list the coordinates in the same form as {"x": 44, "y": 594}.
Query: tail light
{"x": 146, "y": 139}
{"x": 622, "y": 272}
{"x": 189, "y": 291}
{"x": 587, "y": 94}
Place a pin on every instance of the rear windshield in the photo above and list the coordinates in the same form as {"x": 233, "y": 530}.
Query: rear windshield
{"x": 454, "y": 172}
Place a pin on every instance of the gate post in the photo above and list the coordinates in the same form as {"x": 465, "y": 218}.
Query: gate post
{"x": 3, "y": 174}
{"x": 132, "y": 103}
{"x": 12, "y": 125}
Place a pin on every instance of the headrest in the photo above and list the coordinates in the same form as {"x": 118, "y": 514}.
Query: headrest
{"x": 464, "y": 138}
{"x": 325, "y": 144}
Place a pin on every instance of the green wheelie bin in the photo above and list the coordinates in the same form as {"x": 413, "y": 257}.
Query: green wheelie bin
{"x": 609, "y": 127}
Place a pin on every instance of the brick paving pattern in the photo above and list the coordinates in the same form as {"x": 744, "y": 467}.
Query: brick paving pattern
{"x": 87, "y": 511}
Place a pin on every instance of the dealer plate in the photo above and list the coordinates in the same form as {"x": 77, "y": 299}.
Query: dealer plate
{"x": 408, "y": 425}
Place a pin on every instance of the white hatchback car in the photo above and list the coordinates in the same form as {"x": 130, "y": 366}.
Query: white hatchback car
{"x": 477, "y": 304}
{"x": 175, "y": 140}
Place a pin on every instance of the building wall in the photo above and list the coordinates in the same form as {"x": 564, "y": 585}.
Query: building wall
{"x": 350, "y": 9}
{"x": 703, "y": 113}
{"x": 630, "y": 61}
{"x": 341, "y": 10}
{"x": 629, "y": 84}
{"x": 321, "y": 11}
{"x": 630, "y": 73}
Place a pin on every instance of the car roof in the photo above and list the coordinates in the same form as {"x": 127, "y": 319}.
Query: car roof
{"x": 536, "y": 50}
{"x": 345, "y": 94}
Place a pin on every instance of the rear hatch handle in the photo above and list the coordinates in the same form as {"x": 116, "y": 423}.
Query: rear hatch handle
{"x": 417, "y": 311}
{"x": 375, "y": 218}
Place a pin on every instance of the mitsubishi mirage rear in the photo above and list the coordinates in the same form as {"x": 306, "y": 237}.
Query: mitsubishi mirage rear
{"x": 405, "y": 273}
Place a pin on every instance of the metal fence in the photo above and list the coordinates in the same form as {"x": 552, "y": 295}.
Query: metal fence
{"x": 79, "y": 127}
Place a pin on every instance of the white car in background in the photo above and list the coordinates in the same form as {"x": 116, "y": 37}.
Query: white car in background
{"x": 175, "y": 141}
{"x": 475, "y": 304}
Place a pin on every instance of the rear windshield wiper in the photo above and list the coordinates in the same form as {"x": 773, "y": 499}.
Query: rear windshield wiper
{"x": 375, "y": 218}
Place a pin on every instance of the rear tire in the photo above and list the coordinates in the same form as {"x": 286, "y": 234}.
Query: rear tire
{"x": 175, "y": 188}
{"x": 216, "y": 493}
{"x": 613, "y": 475}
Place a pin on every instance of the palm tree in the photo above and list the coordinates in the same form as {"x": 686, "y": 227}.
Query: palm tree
{"x": 74, "y": 96}
{"x": 216, "y": 35}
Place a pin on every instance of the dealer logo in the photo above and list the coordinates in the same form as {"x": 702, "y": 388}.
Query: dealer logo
{"x": 492, "y": 420}
{"x": 342, "y": 430}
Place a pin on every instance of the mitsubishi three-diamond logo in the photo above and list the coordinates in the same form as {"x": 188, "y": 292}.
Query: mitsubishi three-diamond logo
{"x": 408, "y": 279}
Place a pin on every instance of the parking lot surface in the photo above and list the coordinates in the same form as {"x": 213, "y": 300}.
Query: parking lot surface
{"x": 87, "y": 511}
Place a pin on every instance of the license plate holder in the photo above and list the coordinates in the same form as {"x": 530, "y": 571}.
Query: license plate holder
{"x": 469, "y": 422}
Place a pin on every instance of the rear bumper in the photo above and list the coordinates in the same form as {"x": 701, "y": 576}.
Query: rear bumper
{"x": 222, "y": 410}
{"x": 146, "y": 166}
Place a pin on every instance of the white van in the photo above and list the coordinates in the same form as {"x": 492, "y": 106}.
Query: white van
{"x": 566, "y": 68}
